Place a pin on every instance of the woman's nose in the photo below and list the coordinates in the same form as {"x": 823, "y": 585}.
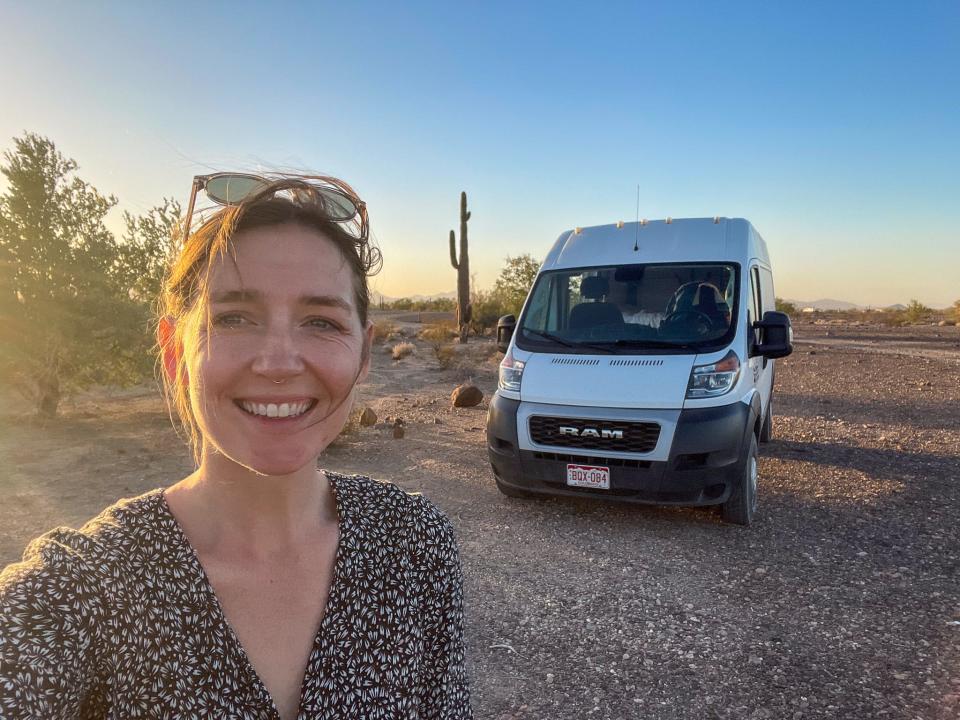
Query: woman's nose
{"x": 279, "y": 357}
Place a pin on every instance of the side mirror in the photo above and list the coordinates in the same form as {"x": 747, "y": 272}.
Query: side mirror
{"x": 776, "y": 335}
{"x": 505, "y": 328}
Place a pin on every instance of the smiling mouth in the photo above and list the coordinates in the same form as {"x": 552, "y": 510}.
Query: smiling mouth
{"x": 277, "y": 410}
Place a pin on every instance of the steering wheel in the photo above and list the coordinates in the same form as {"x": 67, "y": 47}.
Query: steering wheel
{"x": 701, "y": 322}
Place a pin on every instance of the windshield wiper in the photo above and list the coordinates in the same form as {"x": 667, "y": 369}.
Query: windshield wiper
{"x": 566, "y": 343}
{"x": 549, "y": 336}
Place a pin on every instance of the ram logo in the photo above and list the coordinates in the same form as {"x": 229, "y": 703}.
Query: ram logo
{"x": 591, "y": 432}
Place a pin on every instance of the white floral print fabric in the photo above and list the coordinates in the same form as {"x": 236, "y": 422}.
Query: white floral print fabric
{"x": 118, "y": 620}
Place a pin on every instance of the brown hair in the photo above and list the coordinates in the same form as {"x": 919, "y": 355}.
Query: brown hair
{"x": 186, "y": 283}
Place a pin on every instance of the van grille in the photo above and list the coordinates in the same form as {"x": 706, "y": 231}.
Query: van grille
{"x": 637, "y": 437}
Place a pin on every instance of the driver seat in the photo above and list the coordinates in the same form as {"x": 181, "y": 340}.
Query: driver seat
{"x": 591, "y": 314}
{"x": 709, "y": 302}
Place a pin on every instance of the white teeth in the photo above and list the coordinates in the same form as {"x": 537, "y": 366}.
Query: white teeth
{"x": 273, "y": 410}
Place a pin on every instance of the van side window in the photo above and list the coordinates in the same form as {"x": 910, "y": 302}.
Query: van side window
{"x": 766, "y": 290}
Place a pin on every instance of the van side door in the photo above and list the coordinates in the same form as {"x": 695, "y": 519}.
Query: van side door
{"x": 760, "y": 367}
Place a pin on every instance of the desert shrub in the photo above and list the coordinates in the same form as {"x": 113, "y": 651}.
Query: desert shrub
{"x": 515, "y": 281}
{"x": 955, "y": 311}
{"x": 445, "y": 354}
{"x": 479, "y": 359}
{"x": 401, "y": 350}
{"x": 424, "y": 305}
{"x": 507, "y": 295}
{"x": 891, "y": 318}
{"x": 383, "y": 329}
{"x": 440, "y": 332}
{"x": 488, "y": 307}
{"x": 916, "y": 311}
{"x": 786, "y": 306}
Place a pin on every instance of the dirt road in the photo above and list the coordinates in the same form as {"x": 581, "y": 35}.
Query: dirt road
{"x": 842, "y": 601}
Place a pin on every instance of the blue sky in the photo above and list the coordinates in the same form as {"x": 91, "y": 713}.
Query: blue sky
{"x": 834, "y": 127}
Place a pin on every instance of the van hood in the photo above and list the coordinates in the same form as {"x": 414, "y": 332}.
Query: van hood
{"x": 616, "y": 381}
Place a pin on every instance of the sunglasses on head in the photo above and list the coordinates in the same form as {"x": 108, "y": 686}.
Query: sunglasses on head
{"x": 339, "y": 202}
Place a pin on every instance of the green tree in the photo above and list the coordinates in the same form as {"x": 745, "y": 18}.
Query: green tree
{"x": 507, "y": 295}
{"x": 515, "y": 281}
{"x": 67, "y": 317}
{"x": 916, "y": 311}
{"x": 148, "y": 244}
{"x": 785, "y": 306}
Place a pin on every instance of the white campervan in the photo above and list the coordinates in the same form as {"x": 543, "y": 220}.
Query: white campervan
{"x": 642, "y": 367}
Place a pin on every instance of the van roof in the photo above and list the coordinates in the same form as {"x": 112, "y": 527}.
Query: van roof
{"x": 658, "y": 241}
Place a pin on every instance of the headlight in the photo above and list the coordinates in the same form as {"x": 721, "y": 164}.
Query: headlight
{"x": 714, "y": 379}
{"x": 511, "y": 371}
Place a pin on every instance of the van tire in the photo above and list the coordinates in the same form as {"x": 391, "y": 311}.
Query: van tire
{"x": 511, "y": 492}
{"x": 740, "y": 508}
{"x": 766, "y": 430}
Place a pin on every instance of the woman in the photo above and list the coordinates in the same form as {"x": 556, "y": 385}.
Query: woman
{"x": 258, "y": 586}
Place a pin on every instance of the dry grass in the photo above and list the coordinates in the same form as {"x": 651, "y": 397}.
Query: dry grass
{"x": 470, "y": 358}
{"x": 445, "y": 354}
{"x": 401, "y": 350}
{"x": 383, "y": 330}
{"x": 440, "y": 332}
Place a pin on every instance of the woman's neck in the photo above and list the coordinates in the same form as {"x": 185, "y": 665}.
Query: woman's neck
{"x": 227, "y": 508}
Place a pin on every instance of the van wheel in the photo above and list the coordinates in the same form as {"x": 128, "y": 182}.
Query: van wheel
{"x": 511, "y": 492}
{"x": 742, "y": 505}
{"x": 766, "y": 430}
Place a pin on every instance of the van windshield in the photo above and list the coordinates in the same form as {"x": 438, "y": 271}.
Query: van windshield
{"x": 680, "y": 307}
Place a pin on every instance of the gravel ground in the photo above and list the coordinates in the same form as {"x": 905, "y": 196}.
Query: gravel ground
{"x": 842, "y": 601}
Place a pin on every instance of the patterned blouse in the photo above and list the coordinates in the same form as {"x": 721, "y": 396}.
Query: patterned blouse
{"x": 119, "y": 620}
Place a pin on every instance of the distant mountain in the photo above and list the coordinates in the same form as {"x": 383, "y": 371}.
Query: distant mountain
{"x": 376, "y": 297}
{"x": 451, "y": 295}
{"x": 826, "y": 304}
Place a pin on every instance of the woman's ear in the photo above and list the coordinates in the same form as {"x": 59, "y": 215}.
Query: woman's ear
{"x": 365, "y": 352}
{"x": 170, "y": 349}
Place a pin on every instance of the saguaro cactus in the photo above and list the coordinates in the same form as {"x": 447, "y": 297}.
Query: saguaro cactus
{"x": 464, "y": 308}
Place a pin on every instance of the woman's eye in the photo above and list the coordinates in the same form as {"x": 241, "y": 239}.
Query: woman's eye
{"x": 229, "y": 320}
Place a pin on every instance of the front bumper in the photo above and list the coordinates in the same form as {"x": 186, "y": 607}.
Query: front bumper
{"x": 703, "y": 467}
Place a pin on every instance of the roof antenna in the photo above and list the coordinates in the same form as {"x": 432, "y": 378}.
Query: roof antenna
{"x": 636, "y": 239}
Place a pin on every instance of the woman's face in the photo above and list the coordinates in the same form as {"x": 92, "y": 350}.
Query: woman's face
{"x": 271, "y": 384}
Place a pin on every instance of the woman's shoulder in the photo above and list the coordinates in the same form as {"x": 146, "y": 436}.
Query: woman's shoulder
{"x": 73, "y": 556}
{"x": 387, "y": 509}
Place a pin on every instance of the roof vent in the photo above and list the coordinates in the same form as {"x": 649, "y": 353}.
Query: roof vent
{"x": 669, "y": 220}
{"x": 619, "y": 224}
{"x": 577, "y": 230}
{"x": 643, "y": 222}
{"x": 716, "y": 219}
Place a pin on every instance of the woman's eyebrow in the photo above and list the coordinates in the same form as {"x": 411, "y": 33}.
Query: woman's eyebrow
{"x": 250, "y": 296}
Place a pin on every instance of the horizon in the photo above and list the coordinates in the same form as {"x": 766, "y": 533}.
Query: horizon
{"x": 452, "y": 294}
{"x": 838, "y": 144}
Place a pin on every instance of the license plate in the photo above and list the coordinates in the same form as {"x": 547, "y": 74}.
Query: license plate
{"x": 588, "y": 476}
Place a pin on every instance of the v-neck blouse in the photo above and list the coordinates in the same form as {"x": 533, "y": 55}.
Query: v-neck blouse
{"x": 119, "y": 620}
